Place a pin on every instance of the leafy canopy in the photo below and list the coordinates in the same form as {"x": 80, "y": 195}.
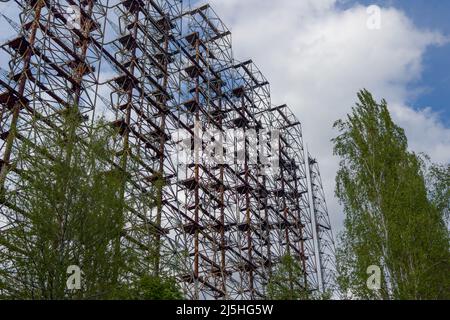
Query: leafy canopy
{"x": 390, "y": 220}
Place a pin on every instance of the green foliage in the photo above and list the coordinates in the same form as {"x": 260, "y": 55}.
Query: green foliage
{"x": 150, "y": 287}
{"x": 389, "y": 218}
{"x": 287, "y": 281}
{"x": 439, "y": 188}
{"x": 71, "y": 214}
{"x": 72, "y": 206}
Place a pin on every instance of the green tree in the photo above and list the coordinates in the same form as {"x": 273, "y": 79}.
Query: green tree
{"x": 151, "y": 287}
{"x": 287, "y": 281}
{"x": 390, "y": 220}
{"x": 67, "y": 211}
{"x": 70, "y": 207}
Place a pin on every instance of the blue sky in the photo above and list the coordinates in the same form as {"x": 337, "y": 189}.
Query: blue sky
{"x": 435, "y": 79}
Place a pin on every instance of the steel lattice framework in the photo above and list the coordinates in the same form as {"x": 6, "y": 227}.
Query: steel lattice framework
{"x": 153, "y": 68}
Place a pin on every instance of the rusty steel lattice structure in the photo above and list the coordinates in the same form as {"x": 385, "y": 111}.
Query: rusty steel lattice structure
{"x": 153, "y": 67}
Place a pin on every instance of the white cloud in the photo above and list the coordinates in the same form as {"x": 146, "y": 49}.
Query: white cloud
{"x": 317, "y": 57}
{"x": 426, "y": 133}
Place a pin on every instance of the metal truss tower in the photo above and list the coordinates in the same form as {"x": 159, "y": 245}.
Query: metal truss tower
{"x": 153, "y": 68}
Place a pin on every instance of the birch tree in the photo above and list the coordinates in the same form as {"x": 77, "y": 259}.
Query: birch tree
{"x": 390, "y": 220}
